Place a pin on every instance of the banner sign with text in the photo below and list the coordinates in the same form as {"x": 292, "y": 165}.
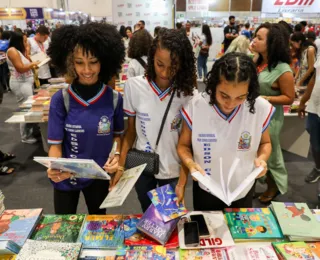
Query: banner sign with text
{"x": 291, "y": 6}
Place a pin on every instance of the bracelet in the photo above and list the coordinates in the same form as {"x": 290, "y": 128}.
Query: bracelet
{"x": 117, "y": 153}
{"x": 120, "y": 168}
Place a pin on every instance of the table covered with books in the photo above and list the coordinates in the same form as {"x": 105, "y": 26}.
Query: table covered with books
{"x": 282, "y": 231}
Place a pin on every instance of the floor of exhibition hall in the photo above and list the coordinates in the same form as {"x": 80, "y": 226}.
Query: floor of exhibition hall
{"x": 29, "y": 187}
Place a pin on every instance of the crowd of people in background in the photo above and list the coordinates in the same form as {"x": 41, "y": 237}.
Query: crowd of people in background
{"x": 264, "y": 65}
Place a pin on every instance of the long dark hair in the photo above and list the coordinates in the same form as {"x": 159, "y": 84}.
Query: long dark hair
{"x": 300, "y": 37}
{"x": 206, "y": 31}
{"x": 16, "y": 41}
{"x": 183, "y": 62}
{"x": 234, "y": 67}
{"x": 122, "y": 31}
{"x": 139, "y": 44}
{"x": 277, "y": 45}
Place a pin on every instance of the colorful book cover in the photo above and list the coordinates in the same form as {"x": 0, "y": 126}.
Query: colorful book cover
{"x": 171, "y": 255}
{"x": 296, "y": 219}
{"x": 49, "y": 250}
{"x": 152, "y": 224}
{"x": 294, "y": 250}
{"x": 59, "y": 228}
{"x": 315, "y": 248}
{"x": 250, "y": 223}
{"x": 204, "y": 254}
{"x": 17, "y": 225}
{"x": 219, "y": 233}
{"x": 8, "y": 257}
{"x": 102, "y": 231}
{"x": 253, "y": 252}
{"x": 145, "y": 252}
{"x": 8, "y": 247}
{"x": 165, "y": 200}
{"x": 134, "y": 237}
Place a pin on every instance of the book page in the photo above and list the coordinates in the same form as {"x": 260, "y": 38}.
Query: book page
{"x": 213, "y": 187}
{"x": 246, "y": 182}
{"x": 41, "y": 56}
{"x": 44, "y": 62}
{"x": 231, "y": 173}
{"x": 222, "y": 181}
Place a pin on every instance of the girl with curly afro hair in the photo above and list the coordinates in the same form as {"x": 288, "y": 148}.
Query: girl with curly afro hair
{"x": 233, "y": 124}
{"x": 87, "y": 118}
{"x": 276, "y": 86}
{"x": 170, "y": 73}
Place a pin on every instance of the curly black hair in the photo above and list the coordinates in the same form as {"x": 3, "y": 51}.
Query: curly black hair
{"x": 277, "y": 45}
{"x": 139, "y": 44}
{"x": 300, "y": 37}
{"x": 101, "y": 40}
{"x": 234, "y": 67}
{"x": 183, "y": 62}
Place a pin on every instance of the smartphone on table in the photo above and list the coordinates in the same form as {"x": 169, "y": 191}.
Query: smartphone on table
{"x": 202, "y": 225}
{"x": 191, "y": 234}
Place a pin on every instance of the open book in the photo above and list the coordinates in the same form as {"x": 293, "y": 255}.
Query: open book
{"x": 42, "y": 57}
{"x": 80, "y": 168}
{"x": 221, "y": 190}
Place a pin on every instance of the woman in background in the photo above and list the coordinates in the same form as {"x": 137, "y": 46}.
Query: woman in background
{"x": 205, "y": 43}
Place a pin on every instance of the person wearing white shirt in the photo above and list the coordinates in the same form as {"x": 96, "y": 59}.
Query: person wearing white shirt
{"x": 229, "y": 120}
{"x": 40, "y": 43}
{"x": 170, "y": 71}
{"x": 310, "y": 102}
{"x": 139, "y": 46}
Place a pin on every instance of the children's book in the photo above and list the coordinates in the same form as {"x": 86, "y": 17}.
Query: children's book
{"x": 102, "y": 231}
{"x": 204, "y": 254}
{"x": 134, "y": 237}
{"x": 97, "y": 254}
{"x": 121, "y": 190}
{"x": 252, "y": 223}
{"x": 315, "y": 248}
{"x": 252, "y": 252}
{"x": 293, "y": 250}
{"x": 152, "y": 225}
{"x": 80, "y": 168}
{"x": 165, "y": 200}
{"x": 8, "y": 248}
{"x": 296, "y": 220}
{"x": 171, "y": 255}
{"x": 18, "y": 224}
{"x": 145, "y": 253}
{"x": 33, "y": 250}
{"x": 222, "y": 190}
{"x": 59, "y": 228}
{"x": 8, "y": 257}
{"x": 219, "y": 234}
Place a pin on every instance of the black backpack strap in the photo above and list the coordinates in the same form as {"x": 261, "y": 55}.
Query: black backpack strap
{"x": 142, "y": 62}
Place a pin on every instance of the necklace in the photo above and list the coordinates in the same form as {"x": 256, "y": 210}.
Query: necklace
{"x": 261, "y": 68}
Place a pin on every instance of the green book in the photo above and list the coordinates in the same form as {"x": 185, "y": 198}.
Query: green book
{"x": 296, "y": 219}
{"x": 293, "y": 250}
{"x": 250, "y": 223}
{"x": 59, "y": 228}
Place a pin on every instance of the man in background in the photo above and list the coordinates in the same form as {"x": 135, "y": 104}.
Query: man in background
{"x": 141, "y": 24}
{"x": 246, "y": 32}
{"x": 230, "y": 32}
{"x": 40, "y": 43}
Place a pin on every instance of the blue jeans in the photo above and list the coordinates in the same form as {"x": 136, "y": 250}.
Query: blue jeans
{"x": 313, "y": 128}
{"x": 202, "y": 65}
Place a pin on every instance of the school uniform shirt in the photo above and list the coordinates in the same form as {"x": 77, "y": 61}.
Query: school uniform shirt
{"x": 86, "y": 132}
{"x": 313, "y": 105}
{"x": 44, "y": 71}
{"x": 135, "y": 68}
{"x": 215, "y": 135}
{"x": 145, "y": 101}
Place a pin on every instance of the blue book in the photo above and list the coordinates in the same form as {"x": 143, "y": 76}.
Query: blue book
{"x": 152, "y": 225}
{"x": 165, "y": 200}
{"x": 18, "y": 224}
{"x": 102, "y": 232}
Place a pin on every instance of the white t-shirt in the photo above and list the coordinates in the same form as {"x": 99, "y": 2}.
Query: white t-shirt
{"x": 44, "y": 71}
{"x": 238, "y": 136}
{"x": 147, "y": 103}
{"x": 313, "y": 105}
{"x": 317, "y": 43}
{"x": 135, "y": 68}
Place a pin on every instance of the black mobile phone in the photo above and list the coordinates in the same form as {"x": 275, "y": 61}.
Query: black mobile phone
{"x": 191, "y": 234}
{"x": 203, "y": 228}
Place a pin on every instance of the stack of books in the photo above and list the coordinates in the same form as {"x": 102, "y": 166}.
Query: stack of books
{"x": 56, "y": 87}
{"x": 46, "y": 108}
{"x": 2, "y": 207}
{"x": 8, "y": 247}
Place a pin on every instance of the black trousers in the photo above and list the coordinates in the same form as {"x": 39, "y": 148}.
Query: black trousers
{"x": 44, "y": 81}
{"x": 204, "y": 201}
{"x": 147, "y": 183}
{"x": 66, "y": 202}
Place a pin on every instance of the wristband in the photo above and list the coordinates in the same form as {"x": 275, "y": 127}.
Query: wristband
{"x": 120, "y": 168}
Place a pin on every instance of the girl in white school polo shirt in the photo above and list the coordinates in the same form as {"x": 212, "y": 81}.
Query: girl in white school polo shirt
{"x": 229, "y": 120}
{"x": 171, "y": 64}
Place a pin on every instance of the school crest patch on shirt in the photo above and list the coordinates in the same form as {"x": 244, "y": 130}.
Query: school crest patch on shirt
{"x": 245, "y": 141}
{"x": 176, "y": 123}
{"x": 104, "y": 125}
